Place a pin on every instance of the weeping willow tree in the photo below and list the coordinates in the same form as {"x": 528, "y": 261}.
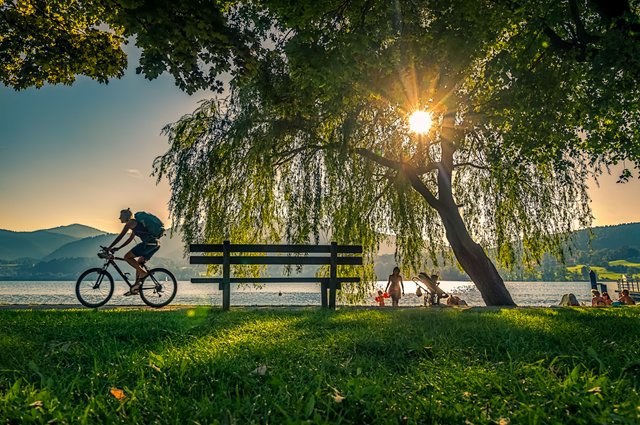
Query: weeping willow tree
{"x": 242, "y": 172}
{"x": 317, "y": 143}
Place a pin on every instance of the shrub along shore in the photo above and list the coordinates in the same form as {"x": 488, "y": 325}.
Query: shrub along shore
{"x": 351, "y": 366}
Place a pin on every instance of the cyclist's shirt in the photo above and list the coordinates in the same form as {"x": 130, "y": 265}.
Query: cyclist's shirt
{"x": 141, "y": 231}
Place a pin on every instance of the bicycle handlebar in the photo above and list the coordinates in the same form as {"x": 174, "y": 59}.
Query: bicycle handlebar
{"x": 105, "y": 252}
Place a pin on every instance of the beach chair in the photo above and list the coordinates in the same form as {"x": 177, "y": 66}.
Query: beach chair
{"x": 432, "y": 292}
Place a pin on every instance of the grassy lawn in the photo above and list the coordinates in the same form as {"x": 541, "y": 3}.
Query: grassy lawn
{"x": 623, "y": 263}
{"x": 483, "y": 366}
{"x": 577, "y": 268}
{"x": 602, "y": 272}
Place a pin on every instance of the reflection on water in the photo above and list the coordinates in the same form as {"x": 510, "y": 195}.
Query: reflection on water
{"x": 523, "y": 293}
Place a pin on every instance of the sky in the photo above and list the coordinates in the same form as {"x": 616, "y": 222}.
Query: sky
{"x": 81, "y": 153}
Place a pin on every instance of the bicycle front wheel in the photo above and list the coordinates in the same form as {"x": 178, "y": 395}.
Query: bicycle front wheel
{"x": 94, "y": 288}
{"x": 159, "y": 288}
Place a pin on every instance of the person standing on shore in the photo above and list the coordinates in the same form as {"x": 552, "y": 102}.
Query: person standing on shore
{"x": 395, "y": 287}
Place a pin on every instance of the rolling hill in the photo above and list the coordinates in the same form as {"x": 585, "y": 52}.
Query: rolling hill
{"x": 36, "y": 245}
{"x": 171, "y": 248}
{"x": 83, "y": 248}
{"x": 609, "y": 237}
{"x": 78, "y": 231}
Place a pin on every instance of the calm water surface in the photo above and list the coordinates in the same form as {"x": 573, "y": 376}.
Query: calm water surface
{"x": 63, "y": 292}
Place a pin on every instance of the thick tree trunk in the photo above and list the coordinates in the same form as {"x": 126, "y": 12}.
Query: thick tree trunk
{"x": 474, "y": 260}
{"x": 470, "y": 255}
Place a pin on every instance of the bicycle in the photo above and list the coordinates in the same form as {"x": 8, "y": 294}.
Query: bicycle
{"x": 95, "y": 286}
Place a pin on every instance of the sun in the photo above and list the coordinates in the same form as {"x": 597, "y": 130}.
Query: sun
{"x": 420, "y": 122}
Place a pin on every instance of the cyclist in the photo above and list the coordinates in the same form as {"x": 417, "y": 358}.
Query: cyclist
{"x": 140, "y": 253}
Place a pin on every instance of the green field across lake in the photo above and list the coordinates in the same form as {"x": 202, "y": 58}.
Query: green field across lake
{"x": 305, "y": 365}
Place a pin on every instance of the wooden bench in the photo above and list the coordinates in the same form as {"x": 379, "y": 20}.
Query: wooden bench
{"x": 233, "y": 254}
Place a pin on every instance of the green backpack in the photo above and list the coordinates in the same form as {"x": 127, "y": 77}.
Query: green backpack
{"x": 153, "y": 225}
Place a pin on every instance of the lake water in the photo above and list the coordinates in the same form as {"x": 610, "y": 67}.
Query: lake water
{"x": 57, "y": 292}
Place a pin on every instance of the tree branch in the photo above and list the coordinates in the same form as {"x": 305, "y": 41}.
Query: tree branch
{"x": 612, "y": 10}
{"x": 421, "y": 188}
{"x": 410, "y": 172}
{"x": 558, "y": 41}
{"x": 288, "y": 155}
{"x": 583, "y": 36}
{"x": 432, "y": 166}
{"x": 385, "y": 162}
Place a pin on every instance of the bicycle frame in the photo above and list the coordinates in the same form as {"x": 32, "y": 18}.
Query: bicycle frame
{"x": 111, "y": 261}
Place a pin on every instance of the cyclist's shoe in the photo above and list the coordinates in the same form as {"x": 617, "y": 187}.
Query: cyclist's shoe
{"x": 135, "y": 289}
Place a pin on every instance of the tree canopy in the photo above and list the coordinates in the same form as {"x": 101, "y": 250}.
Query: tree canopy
{"x": 313, "y": 136}
{"x": 53, "y": 41}
{"x": 318, "y": 141}
{"x": 566, "y": 67}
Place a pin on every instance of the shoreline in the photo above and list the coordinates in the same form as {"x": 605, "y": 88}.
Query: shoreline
{"x": 10, "y": 307}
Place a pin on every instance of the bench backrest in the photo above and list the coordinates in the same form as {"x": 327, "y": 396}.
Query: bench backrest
{"x": 228, "y": 249}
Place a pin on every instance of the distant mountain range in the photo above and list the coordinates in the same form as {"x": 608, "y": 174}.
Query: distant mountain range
{"x": 72, "y": 241}
{"x": 61, "y": 252}
{"x": 609, "y": 237}
{"x": 40, "y": 243}
{"x": 77, "y": 231}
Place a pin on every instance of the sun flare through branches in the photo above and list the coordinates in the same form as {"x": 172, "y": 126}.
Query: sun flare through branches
{"x": 420, "y": 122}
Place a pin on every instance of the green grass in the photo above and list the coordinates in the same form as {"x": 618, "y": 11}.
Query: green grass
{"x": 602, "y": 272}
{"x": 484, "y": 366}
{"x": 576, "y": 268}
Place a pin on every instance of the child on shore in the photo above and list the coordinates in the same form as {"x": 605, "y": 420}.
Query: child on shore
{"x": 380, "y": 298}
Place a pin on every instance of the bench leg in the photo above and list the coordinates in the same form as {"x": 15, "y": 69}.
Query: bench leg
{"x": 332, "y": 296}
{"x": 226, "y": 296}
{"x": 323, "y": 294}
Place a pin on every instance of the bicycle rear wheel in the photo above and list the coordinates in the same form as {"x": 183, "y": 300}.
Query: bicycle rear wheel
{"x": 94, "y": 288}
{"x": 159, "y": 288}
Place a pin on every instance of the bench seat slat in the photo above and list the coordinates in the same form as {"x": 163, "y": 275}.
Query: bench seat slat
{"x": 221, "y": 286}
{"x": 299, "y": 249}
{"x": 279, "y": 260}
{"x": 272, "y": 279}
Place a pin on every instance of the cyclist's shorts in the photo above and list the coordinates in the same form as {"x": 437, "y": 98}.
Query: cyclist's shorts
{"x": 146, "y": 250}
